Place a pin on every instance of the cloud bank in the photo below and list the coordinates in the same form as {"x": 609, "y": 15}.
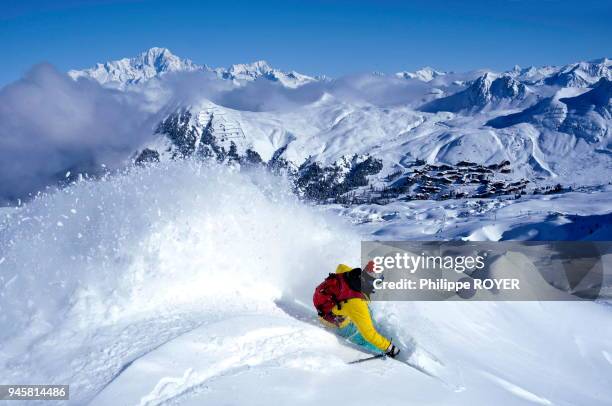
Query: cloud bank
{"x": 50, "y": 124}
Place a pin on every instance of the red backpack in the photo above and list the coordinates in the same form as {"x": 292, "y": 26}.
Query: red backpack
{"x": 333, "y": 291}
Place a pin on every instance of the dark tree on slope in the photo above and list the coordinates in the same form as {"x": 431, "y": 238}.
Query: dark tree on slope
{"x": 147, "y": 156}
{"x": 322, "y": 183}
{"x": 357, "y": 175}
{"x": 179, "y": 131}
{"x": 277, "y": 164}
{"x": 251, "y": 158}
{"x": 208, "y": 147}
{"x": 313, "y": 182}
{"x": 232, "y": 154}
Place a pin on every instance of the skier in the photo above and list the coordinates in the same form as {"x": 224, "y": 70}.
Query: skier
{"x": 342, "y": 302}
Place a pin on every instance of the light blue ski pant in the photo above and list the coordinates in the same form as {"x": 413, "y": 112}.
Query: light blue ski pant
{"x": 351, "y": 333}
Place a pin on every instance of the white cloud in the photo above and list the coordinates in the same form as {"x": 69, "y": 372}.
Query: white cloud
{"x": 50, "y": 124}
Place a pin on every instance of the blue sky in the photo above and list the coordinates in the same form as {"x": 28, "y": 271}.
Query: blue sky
{"x": 313, "y": 37}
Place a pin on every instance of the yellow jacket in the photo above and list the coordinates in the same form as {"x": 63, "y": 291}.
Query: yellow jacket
{"x": 356, "y": 311}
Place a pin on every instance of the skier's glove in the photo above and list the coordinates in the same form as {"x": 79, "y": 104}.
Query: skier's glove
{"x": 392, "y": 351}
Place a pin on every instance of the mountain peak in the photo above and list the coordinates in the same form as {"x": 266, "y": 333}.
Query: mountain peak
{"x": 262, "y": 69}
{"x": 150, "y": 63}
{"x": 163, "y": 60}
{"x": 155, "y": 54}
{"x": 602, "y": 61}
{"x": 155, "y": 51}
{"x": 256, "y": 68}
{"x": 425, "y": 74}
{"x": 483, "y": 82}
{"x": 599, "y": 96}
{"x": 581, "y": 74}
{"x": 482, "y": 91}
{"x": 157, "y": 61}
{"x": 586, "y": 116}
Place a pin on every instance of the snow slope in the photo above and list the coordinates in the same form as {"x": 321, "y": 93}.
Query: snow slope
{"x": 331, "y": 129}
{"x": 583, "y": 215}
{"x": 186, "y": 284}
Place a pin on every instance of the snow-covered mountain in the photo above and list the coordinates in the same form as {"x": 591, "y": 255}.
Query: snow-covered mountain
{"x": 348, "y": 134}
{"x": 580, "y": 74}
{"x": 157, "y": 61}
{"x": 149, "y": 64}
{"x": 587, "y": 116}
{"x": 487, "y": 91}
{"x": 426, "y": 74}
{"x": 261, "y": 69}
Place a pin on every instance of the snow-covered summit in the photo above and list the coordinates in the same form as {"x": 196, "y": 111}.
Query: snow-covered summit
{"x": 579, "y": 74}
{"x": 426, "y": 74}
{"x": 248, "y": 70}
{"x": 485, "y": 90}
{"x": 158, "y": 61}
{"x": 586, "y": 116}
{"x": 261, "y": 69}
{"x": 147, "y": 65}
{"x": 597, "y": 98}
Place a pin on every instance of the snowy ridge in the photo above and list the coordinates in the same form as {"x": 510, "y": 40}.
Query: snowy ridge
{"x": 587, "y": 116}
{"x": 580, "y": 74}
{"x": 149, "y": 64}
{"x": 261, "y": 69}
{"x": 156, "y": 62}
{"x": 426, "y": 74}
{"x": 486, "y": 90}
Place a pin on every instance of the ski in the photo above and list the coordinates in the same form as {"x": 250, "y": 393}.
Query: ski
{"x": 357, "y": 361}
